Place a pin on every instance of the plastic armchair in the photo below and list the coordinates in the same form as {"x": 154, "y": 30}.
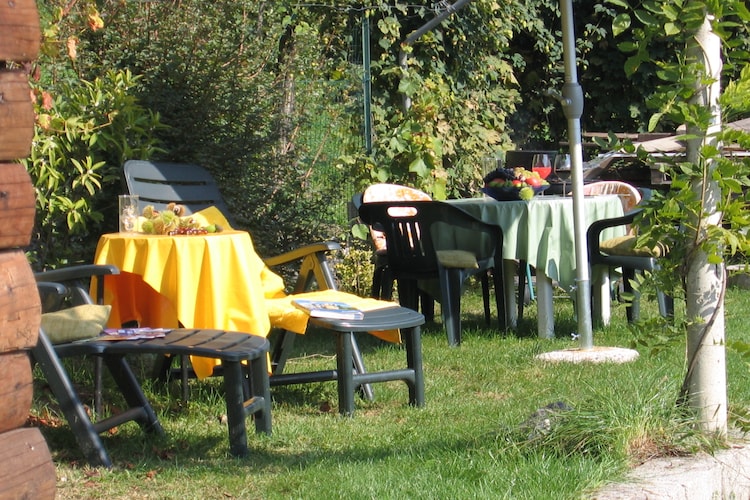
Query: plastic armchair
{"x": 631, "y": 264}
{"x": 425, "y": 240}
{"x": 629, "y": 195}
{"x": 382, "y": 278}
{"x": 86, "y": 431}
{"x": 76, "y": 280}
{"x": 243, "y": 357}
{"x": 162, "y": 183}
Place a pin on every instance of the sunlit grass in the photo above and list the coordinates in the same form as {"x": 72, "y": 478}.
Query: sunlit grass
{"x": 473, "y": 439}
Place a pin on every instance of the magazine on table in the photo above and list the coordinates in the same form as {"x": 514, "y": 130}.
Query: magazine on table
{"x": 328, "y": 309}
{"x": 132, "y": 333}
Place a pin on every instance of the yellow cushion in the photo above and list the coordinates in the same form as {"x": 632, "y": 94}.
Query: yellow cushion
{"x": 457, "y": 259}
{"x": 77, "y": 323}
{"x": 625, "y": 246}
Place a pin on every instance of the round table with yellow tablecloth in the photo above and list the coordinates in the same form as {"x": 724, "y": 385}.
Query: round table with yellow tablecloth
{"x": 214, "y": 280}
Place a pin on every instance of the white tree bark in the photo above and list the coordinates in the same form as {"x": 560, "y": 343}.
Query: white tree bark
{"x": 706, "y": 378}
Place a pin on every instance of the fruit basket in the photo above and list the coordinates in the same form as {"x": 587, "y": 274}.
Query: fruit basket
{"x": 511, "y": 193}
{"x": 508, "y": 184}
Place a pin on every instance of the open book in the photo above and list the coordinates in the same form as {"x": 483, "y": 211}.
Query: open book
{"x": 328, "y": 309}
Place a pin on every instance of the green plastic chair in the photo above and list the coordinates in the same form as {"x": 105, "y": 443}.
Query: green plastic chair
{"x": 434, "y": 240}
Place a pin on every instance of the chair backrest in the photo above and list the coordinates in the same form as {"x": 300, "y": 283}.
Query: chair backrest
{"x": 161, "y": 183}
{"x": 416, "y": 230}
{"x": 389, "y": 192}
{"x": 629, "y": 195}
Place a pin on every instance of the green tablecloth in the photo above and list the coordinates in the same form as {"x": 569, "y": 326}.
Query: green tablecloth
{"x": 540, "y": 231}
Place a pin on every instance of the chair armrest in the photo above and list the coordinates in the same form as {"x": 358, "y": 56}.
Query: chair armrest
{"x": 301, "y": 253}
{"x": 597, "y": 257}
{"x": 77, "y": 278}
{"x": 49, "y": 287}
{"x": 595, "y": 229}
{"x": 313, "y": 268}
{"x": 74, "y": 273}
{"x": 52, "y": 295}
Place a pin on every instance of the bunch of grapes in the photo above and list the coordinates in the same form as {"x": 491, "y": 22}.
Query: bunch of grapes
{"x": 505, "y": 174}
{"x": 189, "y": 231}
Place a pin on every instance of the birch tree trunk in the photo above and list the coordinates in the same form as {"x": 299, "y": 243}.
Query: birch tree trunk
{"x": 705, "y": 382}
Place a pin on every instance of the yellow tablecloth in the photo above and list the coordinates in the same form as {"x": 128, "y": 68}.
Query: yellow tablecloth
{"x": 207, "y": 281}
{"x": 203, "y": 281}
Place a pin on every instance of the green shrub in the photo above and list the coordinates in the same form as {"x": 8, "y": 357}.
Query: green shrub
{"x": 84, "y": 132}
{"x": 354, "y": 271}
{"x": 86, "y": 127}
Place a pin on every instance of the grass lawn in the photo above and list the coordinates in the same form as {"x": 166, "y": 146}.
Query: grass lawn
{"x": 469, "y": 440}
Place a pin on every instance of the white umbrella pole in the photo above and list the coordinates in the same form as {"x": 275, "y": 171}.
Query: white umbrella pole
{"x": 572, "y": 103}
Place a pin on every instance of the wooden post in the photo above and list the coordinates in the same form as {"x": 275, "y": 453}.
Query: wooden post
{"x": 27, "y": 470}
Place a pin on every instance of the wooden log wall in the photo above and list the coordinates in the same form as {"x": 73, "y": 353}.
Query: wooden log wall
{"x": 27, "y": 470}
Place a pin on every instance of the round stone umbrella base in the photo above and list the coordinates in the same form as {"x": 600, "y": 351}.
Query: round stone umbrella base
{"x": 593, "y": 355}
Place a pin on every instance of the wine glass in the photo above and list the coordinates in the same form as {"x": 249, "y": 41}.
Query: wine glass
{"x": 541, "y": 165}
{"x": 490, "y": 164}
{"x": 562, "y": 169}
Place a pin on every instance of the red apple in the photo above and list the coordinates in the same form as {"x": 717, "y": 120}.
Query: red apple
{"x": 534, "y": 181}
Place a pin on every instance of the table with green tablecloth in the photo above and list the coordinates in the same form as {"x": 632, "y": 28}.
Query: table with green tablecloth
{"x": 541, "y": 232}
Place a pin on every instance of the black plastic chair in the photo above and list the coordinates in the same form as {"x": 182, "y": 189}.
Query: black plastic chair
{"x": 162, "y": 183}
{"x": 76, "y": 281}
{"x": 434, "y": 240}
{"x": 630, "y": 265}
{"x": 382, "y": 277}
{"x": 84, "y": 429}
{"x": 247, "y": 388}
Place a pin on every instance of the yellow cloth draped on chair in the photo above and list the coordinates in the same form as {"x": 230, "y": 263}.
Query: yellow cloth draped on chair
{"x": 206, "y": 281}
{"x": 284, "y": 315}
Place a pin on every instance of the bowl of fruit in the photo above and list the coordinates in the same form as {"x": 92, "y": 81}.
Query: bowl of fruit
{"x": 508, "y": 184}
{"x": 172, "y": 222}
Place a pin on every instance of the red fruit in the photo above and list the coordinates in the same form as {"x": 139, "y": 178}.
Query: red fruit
{"x": 533, "y": 181}
{"x": 517, "y": 182}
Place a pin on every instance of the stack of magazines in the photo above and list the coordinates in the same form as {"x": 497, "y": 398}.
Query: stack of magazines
{"x": 132, "y": 333}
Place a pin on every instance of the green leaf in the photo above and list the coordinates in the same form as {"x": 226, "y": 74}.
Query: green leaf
{"x": 654, "y": 121}
{"x": 419, "y": 167}
{"x": 670, "y": 74}
{"x": 632, "y": 64}
{"x": 361, "y": 231}
{"x": 620, "y": 24}
{"x": 382, "y": 174}
{"x": 646, "y": 18}
{"x": 627, "y": 46}
{"x": 671, "y": 29}
{"x": 408, "y": 86}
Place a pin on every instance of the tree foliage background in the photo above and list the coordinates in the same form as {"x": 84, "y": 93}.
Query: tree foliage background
{"x": 268, "y": 94}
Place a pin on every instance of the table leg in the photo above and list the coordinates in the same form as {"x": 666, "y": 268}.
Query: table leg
{"x": 414, "y": 361}
{"x": 509, "y": 277}
{"x": 235, "y": 408}
{"x": 545, "y": 311}
{"x": 601, "y": 287}
{"x": 345, "y": 379}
